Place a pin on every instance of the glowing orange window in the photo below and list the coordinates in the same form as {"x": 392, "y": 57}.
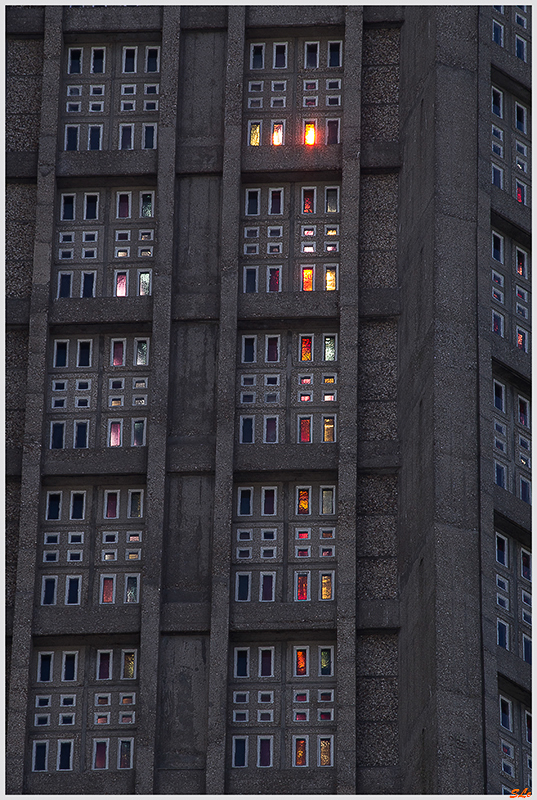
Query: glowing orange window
{"x": 300, "y": 753}
{"x": 307, "y": 279}
{"x": 303, "y": 501}
{"x": 306, "y": 347}
{"x": 302, "y": 586}
{"x": 310, "y": 133}
{"x": 301, "y": 665}
{"x": 277, "y": 133}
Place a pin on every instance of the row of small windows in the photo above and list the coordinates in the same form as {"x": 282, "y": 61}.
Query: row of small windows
{"x": 308, "y": 235}
{"x": 107, "y": 592}
{"x": 145, "y": 133}
{"x": 322, "y": 583}
{"x": 300, "y": 751}
{"x": 274, "y": 199}
{"x": 313, "y": 55}
{"x": 128, "y": 90}
{"x": 325, "y": 427}
{"x": 67, "y": 669}
{"x": 87, "y": 242}
{"x": 310, "y": 278}
{"x": 305, "y": 502}
{"x": 520, "y": 44}
{"x": 311, "y": 131}
{"x": 280, "y": 86}
{"x": 124, "y": 205}
{"x": 301, "y": 698}
{"x": 113, "y": 506}
{"x": 81, "y": 351}
{"x": 81, "y": 432}
{"x": 125, "y": 283}
{"x": 113, "y": 400}
{"x": 271, "y": 397}
{"x": 306, "y": 348}
{"x": 322, "y": 667}
{"x": 66, "y": 749}
{"x": 130, "y": 60}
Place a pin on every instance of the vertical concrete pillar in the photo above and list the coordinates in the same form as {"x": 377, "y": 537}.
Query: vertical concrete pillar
{"x": 348, "y": 397}
{"x": 37, "y": 364}
{"x": 158, "y": 421}
{"x": 223, "y": 493}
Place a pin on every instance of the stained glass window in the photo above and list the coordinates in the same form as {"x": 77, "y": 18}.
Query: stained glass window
{"x": 307, "y": 279}
{"x": 306, "y": 348}
{"x": 326, "y": 594}
{"x": 303, "y": 501}
{"x": 328, "y": 428}
{"x": 308, "y": 201}
{"x": 325, "y": 752}
{"x": 305, "y": 429}
{"x": 302, "y": 586}
{"x": 129, "y": 664}
{"x": 300, "y": 753}
{"x": 329, "y": 348}
{"x": 108, "y": 590}
{"x": 327, "y": 501}
{"x": 330, "y": 279}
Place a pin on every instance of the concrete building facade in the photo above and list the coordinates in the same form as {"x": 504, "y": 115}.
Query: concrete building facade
{"x": 268, "y": 399}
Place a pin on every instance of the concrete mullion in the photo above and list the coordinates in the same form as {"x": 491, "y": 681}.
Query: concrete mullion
{"x": 348, "y": 398}
{"x": 225, "y": 413}
{"x": 37, "y": 362}
{"x": 158, "y": 420}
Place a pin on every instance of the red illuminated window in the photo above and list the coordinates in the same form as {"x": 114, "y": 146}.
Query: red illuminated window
{"x": 273, "y": 279}
{"x": 310, "y": 133}
{"x": 108, "y": 586}
{"x": 302, "y": 586}
{"x": 303, "y": 501}
{"x": 304, "y": 430}
{"x": 306, "y": 348}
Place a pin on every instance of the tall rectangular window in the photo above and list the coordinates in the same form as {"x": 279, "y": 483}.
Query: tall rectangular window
{"x": 311, "y": 55}
{"x": 502, "y": 550}
{"x": 497, "y": 247}
{"x": 268, "y": 501}
{"x": 84, "y": 353}
{"x": 94, "y": 137}
{"x": 69, "y": 666}
{"x": 40, "y": 757}
{"x": 111, "y": 505}
{"x": 132, "y": 585}
{"x": 270, "y": 430}
{"x": 44, "y": 667}
{"x": 126, "y": 137}
{"x": 276, "y": 138}
{"x": 497, "y": 102}
{"x": 334, "y": 54}
{"x": 72, "y": 590}
{"x": 302, "y": 585}
{"x": 97, "y": 60}
{"x": 141, "y": 352}
{"x": 500, "y": 475}
{"x": 123, "y": 205}
{"x": 303, "y": 500}
{"x": 240, "y": 751}
{"x": 81, "y": 434}
{"x": 327, "y": 500}
{"x": 254, "y": 134}
{"x": 68, "y": 207}
{"x": 326, "y": 586}
{"x": 104, "y": 665}
{"x": 329, "y": 429}
{"x": 64, "y": 284}
{"x": 149, "y": 136}
{"x": 331, "y": 199}
{"x": 266, "y": 657}
{"x": 308, "y": 200}
{"x": 242, "y": 586}
{"x": 329, "y": 347}
{"x": 71, "y": 137}
{"x": 61, "y": 354}
{"x": 87, "y": 288}
{"x": 108, "y": 589}
{"x": 91, "y": 206}
{"x": 332, "y": 131}
{"x": 272, "y": 352}
{"x": 525, "y": 565}
{"x": 301, "y": 661}
{"x": 273, "y": 279}
{"x": 300, "y": 751}
{"x": 266, "y": 586}
{"x": 325, "y": 751}
{"x": 245, "y": 502}
{"x": 521, "y": 263}
{"x": 129, "y": 59}
{"x": 306, "y": 348}
{"x": 264, "y": 751}
{"x": 75, "y": 61}
{"x": 304, "y": 429}
{"x": 65, "y": 755}
{"x": 54, "y": 505}
{"x": 242, "y": 662}
{"x": 247, "y": 430}
{"x": 308, "y": 278}
{"x": 57, "y": 435}
{"x": 128, "y": 664}
{"x": 152, "y": 59}
{"x": 135, "y": 506}
{"x": 505, "y": 713}
{"x": 48, "y": 590}
{"x": 125, "y": 753}
{"x": 78, "y": 505}
{"x": 275, "y": 201}
{"x": 257, "y": 56}
{"x": 249, "y": 349}
{"x": 499, "y": 396}
{"x": 280, "y": 55}
{"x": 100, "y": 754}
{"x": 252, "y": 202}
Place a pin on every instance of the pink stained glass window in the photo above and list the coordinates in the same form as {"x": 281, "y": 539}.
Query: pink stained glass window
{"x": 306, "y": 348}
{"x": 118, "y": 354}
{"x": 307, "y": 279}
{"x": 104, "y": 663}
{"x": 108, "y": 590}
{"x": 274, "y": 279}
{"x": 121, "y": 284}
{"x": 115, "y": 434}
{"x": 302, "y": 586}
{"x": 303, "y": 501}
{"x": 112, "y": 505}
{"x": 100, "y": 755}
{"x": 308, "y": 201}
{"x": 305, "y": 429}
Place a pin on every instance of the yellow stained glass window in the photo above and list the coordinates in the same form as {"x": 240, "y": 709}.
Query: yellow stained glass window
{"x": 328, "y": 429}
{"x": 277, "y": 133}
{"x": 330, "y": 280}
{"x": 325, "y": 753}
{"x": 300, "y": 752}
{"x": 306, "y": 343}
{"x": 129, "y": 664}
{"x": 307, "y": 279}
{"x": 255, "y": 134}
{"x": 303, "y": 501}
{"x": 326, "y": 587}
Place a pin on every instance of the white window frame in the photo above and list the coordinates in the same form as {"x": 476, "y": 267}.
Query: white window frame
{"x": 255, "y": 270}
{"x": 241, "y": 489}
{"x": 123, "y": 58}
{"x": 77, "y": 128}
{"x": 103, "y": 48}
{"x": 279, "y": 44}
{"x": 495, "y": 89}
{"x": 257, "y": 44}
{"x": 233, "y": 752}
{"x": 68, "y": 578}
{"x": 82, "y": 492}
{"x": 138, "y": 587}
{"x": 241, "y": 420}
{"x": 332, "y": 575}
{"x": 295, "y": 587}
{"x": 125, "y": 739}
{"x": 92, "y": 194}
{"x": 113, "y": 578}
{"x": 269, "y": 739}
{"x": 338, "y": 194}
{"x": 235, "y": 657}
{"x": 331, "y": 740}
{"x": 296, "y": 648}
{"x": 43, "y": 580}
{"x": 69, "y": 653}
{"x": 335, "y": 119}
{"x": 123, "y": 126}
{"x": 97, "y": 664}
{"x": 152, "y": 47}
{"x": 146, "y": 125}
{"x": 306, "y": 741}
{"x": 272, "y": 336}
{"x": 94, "y": 753}
{"x": 333, "y": 489}
{"x": 34, "y": 747}
{"x": 272, "y": 599}
{"x": 308, "y": 189}
{"x": 71, "y": 753}
{"x": 69, "y": 60}
{"x": 263, "y": 492}
{"x": 274, "y": 122}
{"x": 243, "y": 341}
{"x": 144, "y": 431}
{"x": 268, "y": 269}
{"x": 124, "y": 651}
{"x": 306, "y": 54}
